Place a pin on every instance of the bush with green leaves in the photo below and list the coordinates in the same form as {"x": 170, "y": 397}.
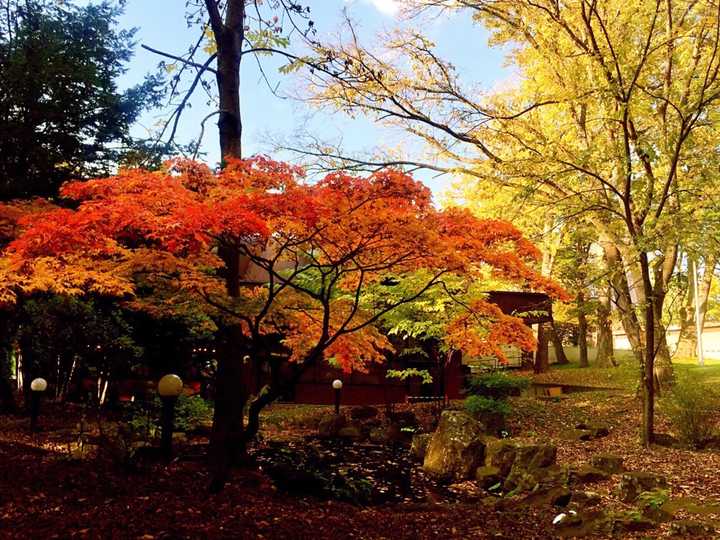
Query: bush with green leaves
{"x": 692, "y": 408}
{"x": 498, "y": 385}
{"x": 190, "y": 412}
{"x": 480, "y": 406}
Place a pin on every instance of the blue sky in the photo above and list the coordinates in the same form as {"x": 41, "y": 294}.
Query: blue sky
{"x": 161, "y": 25}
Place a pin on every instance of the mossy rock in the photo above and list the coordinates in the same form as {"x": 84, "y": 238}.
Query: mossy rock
{"x": 521, "y": 479}
{"x": 608, "y": 463}
{"x": 689, "y": 528}
{"x": 377, "y": 436}
{"x": 691, "y": 505}
{"x": 629, "y": 522}
{"x": 633, "y": 484}
{"x": 588, "y": 431}
{"x": 585, "y": 499}
{"x": 330, "y": 426}
{"x": 403, "y": 418}
{"x": 364, "y": 412}
{"x": 397, "y": 434}
{"x": 651, "y": 504}
{"x": 489, "y": 476}
{"x": 559, "y": 496}
{"x": 587, "y": 474}
{"x": 457, "y": 448}
{"x": 419, "y": 445}
{"x": 351, "y": 433}
{"x": 494, "y": 422}
{"x": 574, "y": 524}
{"x": 500, "y": 453}
{"x": 535, "y": 456}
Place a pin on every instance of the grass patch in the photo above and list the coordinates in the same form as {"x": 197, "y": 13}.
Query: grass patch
{"x": 626, "y": 374}
{"x": 291, "y": 415}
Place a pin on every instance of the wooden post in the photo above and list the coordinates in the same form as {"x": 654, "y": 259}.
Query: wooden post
{"x": 167, "y": 425}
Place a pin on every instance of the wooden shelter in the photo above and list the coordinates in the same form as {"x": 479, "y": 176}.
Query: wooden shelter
{"x": 448, "y": 371}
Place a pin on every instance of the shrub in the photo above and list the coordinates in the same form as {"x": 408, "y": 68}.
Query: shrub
{"x": 190, "y": 411}
{"x": 498, "y": 385}
{"x": 692, "y": 408}
{"x": 480, "y": 406}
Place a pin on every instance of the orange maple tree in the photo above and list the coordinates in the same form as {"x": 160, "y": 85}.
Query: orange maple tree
{"x": 281, "y": 263}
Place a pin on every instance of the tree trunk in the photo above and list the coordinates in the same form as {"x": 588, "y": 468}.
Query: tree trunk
{"x": 229, "y": 37}
{"x": 227, "y": 441}
{"x": 542, "y": 364}
{"x": 560, "y": 356}
{"x": 663, "y": 268}
{"x": 687, "y": 343}
{"x": 663, "y": 370}
{"x": 647, "y": 371}
{"x": 266, "y": 396}
{"x": 605, "y": 353}
{"x": 28, "y": 371}
{"x": 623, "y": 299}
{"x": 7, "y": 396}
{"x": 582, "y": 330}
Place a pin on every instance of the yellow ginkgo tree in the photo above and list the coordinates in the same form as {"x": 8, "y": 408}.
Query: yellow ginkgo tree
{"x": 611, "y": 119}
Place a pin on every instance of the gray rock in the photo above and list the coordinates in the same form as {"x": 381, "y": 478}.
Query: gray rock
{"x": 457, "y": 448}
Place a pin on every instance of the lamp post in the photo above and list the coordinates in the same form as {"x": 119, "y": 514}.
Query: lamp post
{"x": 37, "y": 387}
{"x": 337, "y": 386}
{"x": 169, "y": 387}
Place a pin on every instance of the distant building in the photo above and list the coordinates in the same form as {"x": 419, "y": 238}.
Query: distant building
{"x": 710, "y": 339}
{"x": 448, "y": 371}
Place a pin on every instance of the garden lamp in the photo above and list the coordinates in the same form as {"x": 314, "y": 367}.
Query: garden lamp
{"x": 337, "y": 386}
{"x": 37, "y": 388}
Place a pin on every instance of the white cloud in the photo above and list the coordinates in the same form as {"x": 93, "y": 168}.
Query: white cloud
{"x": 387, "y": 7}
